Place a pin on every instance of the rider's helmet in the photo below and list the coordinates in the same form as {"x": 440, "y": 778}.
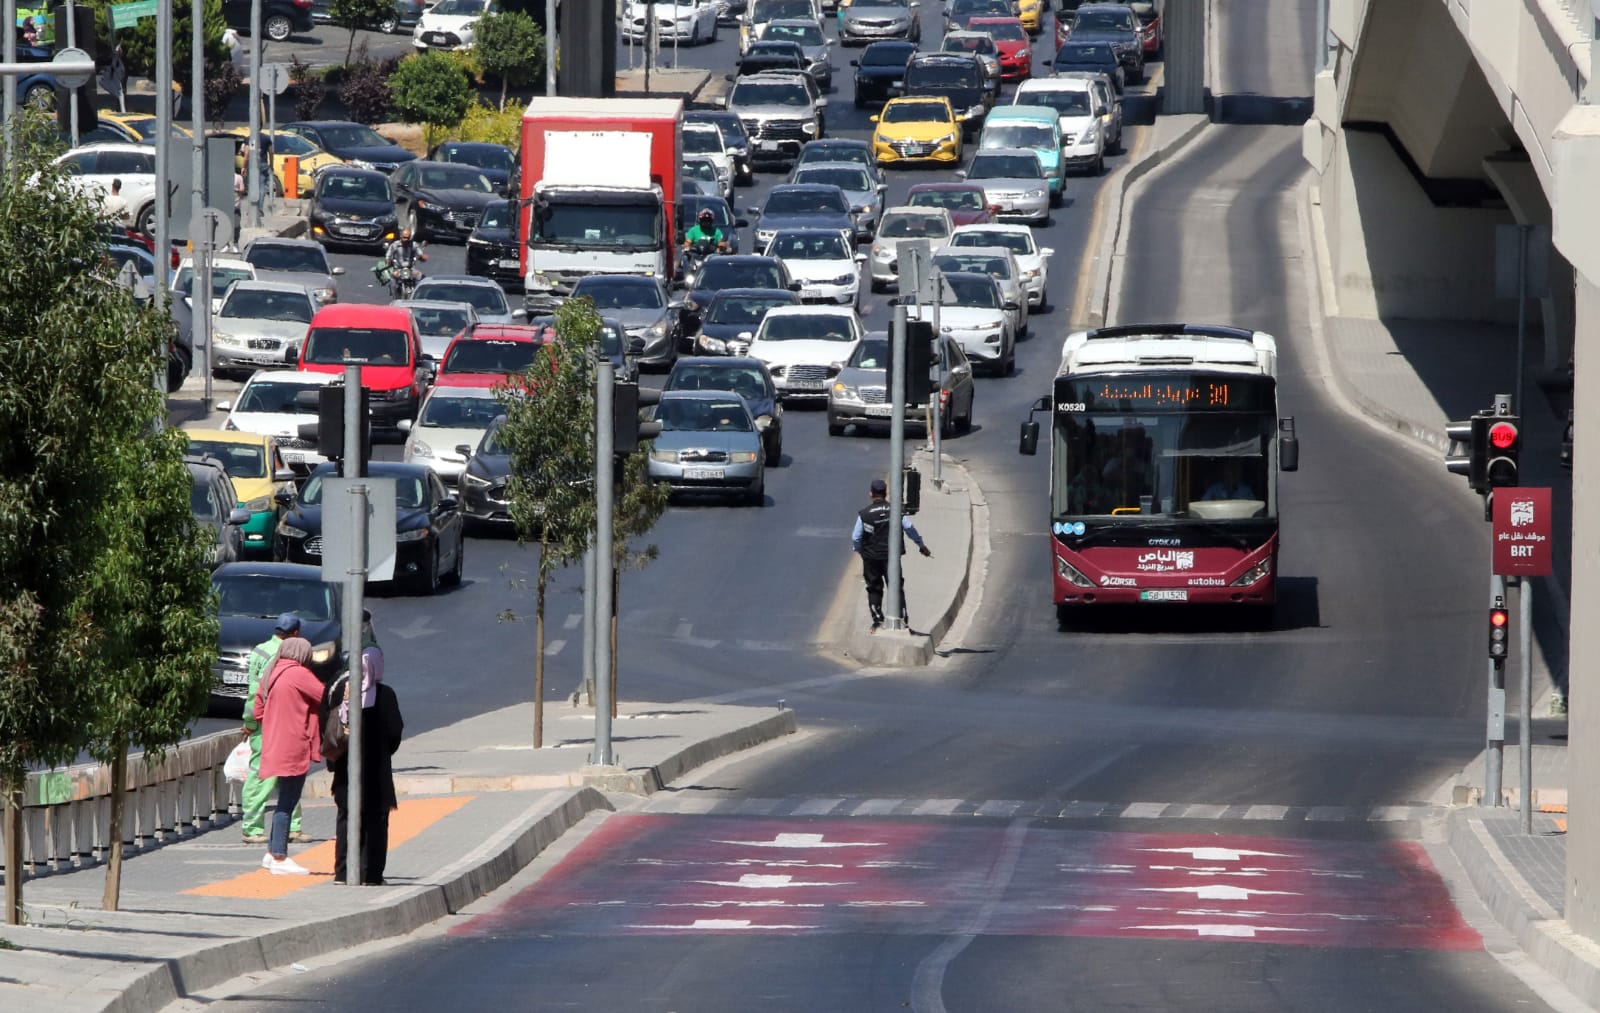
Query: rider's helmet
{"x": 707, "y": 219}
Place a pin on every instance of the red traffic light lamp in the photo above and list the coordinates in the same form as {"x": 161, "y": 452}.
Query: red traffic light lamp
{"x": 1505, "y": 444}
{"x": 1503, "y": 435}
{"x": 1499, "y": 631}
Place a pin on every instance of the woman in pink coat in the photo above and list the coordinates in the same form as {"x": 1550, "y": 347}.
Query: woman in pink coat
{"x": 288, "y": 708}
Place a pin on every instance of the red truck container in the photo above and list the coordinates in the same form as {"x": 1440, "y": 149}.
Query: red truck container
{"x": 599, "y": 191}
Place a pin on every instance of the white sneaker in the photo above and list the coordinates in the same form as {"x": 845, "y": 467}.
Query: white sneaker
{"x": 287, "y": 867}
{"x": 266, "y": 860}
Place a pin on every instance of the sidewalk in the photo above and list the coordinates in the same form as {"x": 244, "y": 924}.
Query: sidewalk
{"x": 477, "y": 804}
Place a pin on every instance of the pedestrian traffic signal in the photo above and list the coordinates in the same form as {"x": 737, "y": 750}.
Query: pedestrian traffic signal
{"x": 329, "y": 428}
{"x": 627, "y": 431}
{"x": 1499, "y": 632}
{"x": 1469, "y": 451}
{"x": 919, "y": 363}
{"x": 1505, "y": 444}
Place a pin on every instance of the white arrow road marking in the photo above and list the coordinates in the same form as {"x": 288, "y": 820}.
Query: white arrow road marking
{"x": 685, "y": 634}
{"x": 1218, "y": 891}
{"x": 764, "y": 863}
{"x": 1234, "y": 931}
{"x": 1209, "y": 870}
{"x": 1217, "y": 854}
{"x": 422, "y": 626}
{"x": 572, "y": 622}
{"x": 756, "y": 881}
{"x": 553, "y": 648}
{"x": 739, "y": 903}
{"x": 804, "y": 841}
{"x": 727, "y": 923}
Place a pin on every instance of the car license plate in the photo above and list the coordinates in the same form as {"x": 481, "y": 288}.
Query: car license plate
{"x": 234, "y": 677}
{"x": 437, "y": 38}
{"x": 805, "y": 384}
{"x": 768, "y": 145}
{"x": 294, "y": 458}
{"x": 511, "y": 265}
{"x": 1165, "y": 594}
{"x": 811, "y": 293}
{"x": 702, "y": 473}
{"x": 879, "y": 411}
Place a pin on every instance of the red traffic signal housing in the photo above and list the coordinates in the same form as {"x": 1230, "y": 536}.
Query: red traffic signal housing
{"x": 1499, "y": 620}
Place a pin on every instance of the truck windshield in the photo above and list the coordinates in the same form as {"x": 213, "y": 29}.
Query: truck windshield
{"x": 616, "y": 226}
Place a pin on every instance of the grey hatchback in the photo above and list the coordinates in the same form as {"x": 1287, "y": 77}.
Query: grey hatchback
{"x": 708, "y": 444}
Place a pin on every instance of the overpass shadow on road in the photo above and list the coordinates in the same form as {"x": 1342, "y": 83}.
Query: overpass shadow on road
{"x": 1140, "y": 110}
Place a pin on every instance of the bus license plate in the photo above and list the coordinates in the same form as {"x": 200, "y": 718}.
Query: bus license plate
{"x": 1165, "y": 594}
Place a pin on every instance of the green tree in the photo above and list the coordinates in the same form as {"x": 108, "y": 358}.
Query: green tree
{"x": 511, "y": 47}
{"x": 432, "y": 89}
{"x": 139, "y": 42}
{"x": 78, "y": 395}
{"x": 358, "y": 14}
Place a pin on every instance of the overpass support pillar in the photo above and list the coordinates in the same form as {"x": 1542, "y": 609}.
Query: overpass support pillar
{"x": 1513, "y": 175}
{"x": 1576, "y": 158}
{"x": 1183, "y": 88}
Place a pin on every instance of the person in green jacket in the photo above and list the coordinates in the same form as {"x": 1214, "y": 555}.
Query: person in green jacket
{"x": 257, "y": 790}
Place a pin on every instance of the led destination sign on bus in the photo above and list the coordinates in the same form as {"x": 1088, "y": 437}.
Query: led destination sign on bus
{"x": 1175, "y": 392}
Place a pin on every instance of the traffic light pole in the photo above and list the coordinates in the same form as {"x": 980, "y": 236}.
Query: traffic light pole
{"x": 1494, "y": 755}
{"x": 1525, "y": 717}
{"x": 354, "y": 589}
{"x": 604, "y": 473}
{"x": 892, "y": 605}
{"x": 936, "y": 438}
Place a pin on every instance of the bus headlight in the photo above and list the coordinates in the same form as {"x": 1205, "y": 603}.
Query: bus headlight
{"x": 1255, "y": 573}
{"x": 1070, "y": 572}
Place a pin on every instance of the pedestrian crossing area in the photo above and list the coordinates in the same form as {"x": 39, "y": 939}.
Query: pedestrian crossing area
{"x": 698, "y": 802}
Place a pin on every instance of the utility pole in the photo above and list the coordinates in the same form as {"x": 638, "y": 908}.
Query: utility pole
{"x": 8, "y": 51}
{"x": 354, "y": 590}
{"x": 893, "y": 606}
{"x": 163, "y": 235}
{"x": 552, "y": 40}
{"x": 200, "y": 226}
{"x": 72, "y": 94}
{"x": 936, "y": 438}
{"x": 252, "y": 163}
{"x": 604, "y": 474}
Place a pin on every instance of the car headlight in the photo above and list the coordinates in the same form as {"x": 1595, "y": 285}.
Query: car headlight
{"x": 1037, "y": 191}
{"x": 808, "y": 128}
{"x": 225, "y": 339}
{"x": 425, "y": 205}
{"x": 420, "y": 449}
{"x": 976, "y": 110}
{"x": 881, "y": 253}
{"x": 541, "y": 282}
{"x": 260, "y": 504}
{"x": 1255, "y": 573}
{"x": 1071, "y": 573}
{"x": 1030, "y": 274}
{"x": 657, "y": 329}
{"x": 361, "y": 163}
{"x": 742, "y": 457}
{"x": 664, "y": 456}
{"x": 710, "y": 344}
{"x": 398, "y": 394}
{"x": 320, "y": 653}
{"x": 763, "y": 422}
{"x": 843, "y": 279}
{"x": 288, "y": 530}
{"x": 949, "y": 138}
{"x": 324, "y": 294}
{"x": 414, "y": 535}
{"x": 845, "y": 392}
{"x": 1091, "y": 133}
{"x": 474, "y": 481}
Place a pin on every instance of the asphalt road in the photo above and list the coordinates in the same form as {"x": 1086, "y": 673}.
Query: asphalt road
{"x": 1237, "y": 773}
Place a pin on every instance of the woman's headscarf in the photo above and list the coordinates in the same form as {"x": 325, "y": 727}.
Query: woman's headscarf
{"x": 371, "y": 675}
{"x": 295, "y": 649}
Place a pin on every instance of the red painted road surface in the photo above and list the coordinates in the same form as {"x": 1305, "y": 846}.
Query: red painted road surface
{"x": 666, "y": 874}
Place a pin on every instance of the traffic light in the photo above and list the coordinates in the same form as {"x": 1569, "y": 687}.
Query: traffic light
{"x": 919, "y": 363}
{"x": 1469, "y": 451}
{"x": 330, "y": 427}
{"x": 1505, "y": 444}
{"x": 1499, "y": 633}
{"x": 627, "y": 431}
{"x": 84, "y": 38}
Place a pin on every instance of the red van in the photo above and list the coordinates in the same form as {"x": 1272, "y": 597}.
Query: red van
{"x": 384, "y": 340}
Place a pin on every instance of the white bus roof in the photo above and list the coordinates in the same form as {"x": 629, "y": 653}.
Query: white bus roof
{"x": 1135, "y": 347}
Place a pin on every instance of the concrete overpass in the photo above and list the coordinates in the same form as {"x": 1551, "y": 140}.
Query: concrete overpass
{"x": 1434, "y": 122}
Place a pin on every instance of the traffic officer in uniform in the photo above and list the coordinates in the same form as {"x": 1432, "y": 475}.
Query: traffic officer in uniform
{"x": 870, "y": 539}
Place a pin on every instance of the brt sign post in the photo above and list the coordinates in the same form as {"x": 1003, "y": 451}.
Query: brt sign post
{"x": 1522, "y": 532}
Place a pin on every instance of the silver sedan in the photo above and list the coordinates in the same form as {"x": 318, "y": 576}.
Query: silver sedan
{"x": 708, "y": 444}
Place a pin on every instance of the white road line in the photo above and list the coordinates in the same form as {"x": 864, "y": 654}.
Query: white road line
{"x": 937, "y": 807}
{"x": 1201, "y": 811}
{"x": 1144, "y": 810}
{"x": 553, "y": 648}
{"x": 878, "y": 806}
{"x": 816, "y": 806}
{"x": 1391, "y": 813}
{"x": 573, "y": 621}
{"x": 927, "y": 983}
{"x": 1266, "y": 812}
{"x": 1328, "y": 813}
{"x": 998, "y": 807}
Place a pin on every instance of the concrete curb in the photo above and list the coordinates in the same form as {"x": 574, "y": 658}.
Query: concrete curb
{"x": 1098, "y": 308}
{"x": 1539, "y": 931}
{"x": 648, "y": 780}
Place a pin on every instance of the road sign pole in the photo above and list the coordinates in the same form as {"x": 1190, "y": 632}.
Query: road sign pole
{"x": 1525, "y": 718}
{"x": 163, "y": 235}
{"x": 603, "y": 474}
{"x": 893, "y": 606}
{"x": 551, "y": 47}
{"x": 1494, "y": 754}
{"x": 268, "y": 198}
{"x": 72, "y": 94}
{"x": 591, "y": 574}
{"x": 354, "y": 589}
{"x": 937, "y": 278}
{"x": 8, "y": 52}
{"x": 252, "y": 164}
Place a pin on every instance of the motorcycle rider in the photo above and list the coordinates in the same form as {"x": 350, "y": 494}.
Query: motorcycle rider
{"x": 704, "y": 233}
{"x": 402, "y": 255}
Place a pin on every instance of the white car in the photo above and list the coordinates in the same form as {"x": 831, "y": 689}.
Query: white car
{"x": 449, "y": 24}
{"x": 1077, "y": 106}
{"x": 224, "y": 272}
{"x": 701, "y": 173}
{"x": 898, "y": 225}
{"x": 1032, "y": 259}
{"x": 760, "y": 13}
{"x": 824, "y": 263}
{"x": 92, "y": 167}
{"x": 269, "y": 404}
{"x": 804, "y": 347}
{"x": 704, "y": 140}
{"x": 450, "y": 417}
{"x": 261, "y": 323}
{"x": 974, "y": 313}
{"x": 998, "y": 263}
{"x": 691, "y": 21}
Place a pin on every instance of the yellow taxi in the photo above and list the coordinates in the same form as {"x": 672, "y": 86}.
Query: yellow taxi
{"x": 141, "y": 126}
{"x": 259, "y": 473}
{"x": 312, "y": 158}
{"x": 919, "y": 128}
{"x": 1031, "y": 13}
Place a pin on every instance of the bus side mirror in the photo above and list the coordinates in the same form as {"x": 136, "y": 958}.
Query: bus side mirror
{"x": 1288, "y": 446}
{"x": 1029, "y": 443}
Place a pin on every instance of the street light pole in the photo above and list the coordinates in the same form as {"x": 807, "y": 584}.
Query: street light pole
{"x": 163, "y": 235}
{"x": 354, "y": 590}
{"x": 893, "y": 606}
{"x": 552, "y": 39}
{"x": 601, "y": 591}
{"x": 252, "y": 166}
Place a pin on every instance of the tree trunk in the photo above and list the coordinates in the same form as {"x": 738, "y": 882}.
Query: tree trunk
{"x": 350, "y": 47}
{"x": 538, "y": 646}
{"x": 502, "y": 93}
{"x": 13, "y": 859}
{"x": 616, "y": 586}
{"x": 119, "y": 780}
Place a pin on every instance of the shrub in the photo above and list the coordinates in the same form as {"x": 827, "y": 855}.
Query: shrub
{"x": 431, "y": 89}
{"x": 486, "y": 123}
{"x": 310, "y": 89}
{"x": 365, "y": 93}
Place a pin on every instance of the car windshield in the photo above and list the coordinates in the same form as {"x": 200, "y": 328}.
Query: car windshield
{"x": 611, "y": 295}
{"x": 699, "y": 168}
{"x": 955, "y": 200}
{"x": 968, "y": 44}
{"x": 346, "y": 186}
{"x": 971, "y": 292}
{"x": 805, "y": 202}
{"x": 457, "y": 411}
{"x": 373, "y": 345}
{"x": 1011, "y": 31}
{"x": 265, "y": 304}
{"x": 1019, "y": 243}
{"x": 497, "y": 215}
{"x": 1005, "y": 167}
{"x": 202, "y": 500}
{"x": 996, "y": 266}
{"x": 944, "y": 74}
{"x": 352, "y": 135}
{"x": 912, "y": 227}
{"x": 742, "y": 309}
{"x": 618, "y": 226}
{"x": 489, "y": 355}
{"x": 731, "y": 126}
{"x": 769, "y": 93}
{"x": 239, "y": 460}
{"x": 916, "y": 112}
{"x": 276, "y": 257}
{"x": 261, "y": 596}
{"x": 1065, "y": 103}
{"x": 451, "y": 177}
{"x": 492, "y": 445}
{"x": 485, "y": 156}
{"x": 486, "y": 299}
{"x": 721, "y": 272}
{"x": 852, "y": 180}
{"x": 1103, "y": 21}
{"x": 460, "y": 8}
{"x": 1017, "y": 135}
{"x": 815, "y": 152}
{"x": 809, "y": 246}
{"x": 1090, "y": 53}
{"x": 742, "y": 380}
{"x": 872, "y": 353}
{"x": 773, "y": 10}
{"x": 690, "y": 212}
{"x": 807, "y": 327}
{"x": 702, "y": 415}
{"x": 276, "y": 398}
{"x": 441, "y": 321}
{"x": 221, "y": 278}
{"x": 888, "y": 56}
{"x": 980, "y": 7}
{"x": 409, "y": 493}
{"x": 699, "y": 142}
{"x": 806, "y": 35}
{"x": 293, "y": 144}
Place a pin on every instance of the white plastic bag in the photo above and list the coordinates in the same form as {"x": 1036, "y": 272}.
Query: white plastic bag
{"x": 237, "y": 767}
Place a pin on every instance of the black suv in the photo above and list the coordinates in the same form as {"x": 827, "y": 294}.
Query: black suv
{"x": 279, "y": 18}
{"x": 1116, "y": 25}
{"x": 880, "y": 70}
{"x": 958, "y": 77}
